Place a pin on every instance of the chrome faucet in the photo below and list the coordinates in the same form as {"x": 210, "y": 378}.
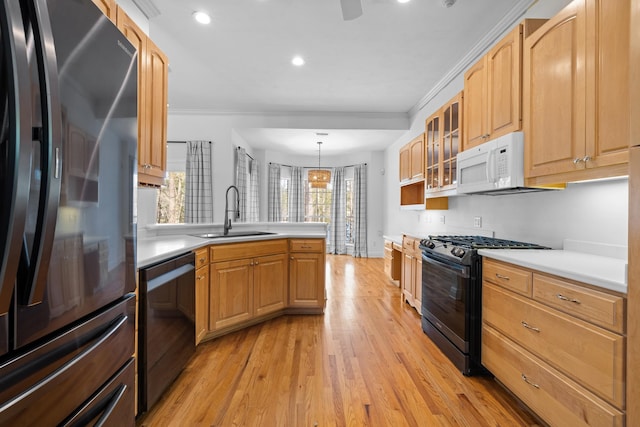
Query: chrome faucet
{"x": 227, "y": 220}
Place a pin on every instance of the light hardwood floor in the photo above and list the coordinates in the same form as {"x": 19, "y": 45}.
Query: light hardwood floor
{"x": 365, "y": 362}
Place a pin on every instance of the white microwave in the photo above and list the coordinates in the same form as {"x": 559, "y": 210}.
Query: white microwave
{"x": 495, "y": 167}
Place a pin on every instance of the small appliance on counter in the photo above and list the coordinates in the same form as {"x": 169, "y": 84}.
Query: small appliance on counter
{"x": 452, "y": 294}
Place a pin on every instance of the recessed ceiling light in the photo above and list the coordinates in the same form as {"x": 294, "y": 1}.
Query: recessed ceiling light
{"x": 404, "y": 1}
{"x": 202, "y": 17}
{"x": 298, "y": 61}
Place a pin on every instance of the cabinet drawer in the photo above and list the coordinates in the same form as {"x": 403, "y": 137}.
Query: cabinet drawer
{"x": 388, "y": 244}
{"x": 590, "y": 355}
{"x": 408, "y": 244}
{"x": 507, "y": 275}
{"x": 591, "y": 305}
{"x": 306, "y": 245}
{"x": 246, "y": 250}
{"x": 202, "y": 257}
{"x": 554, "y": 397}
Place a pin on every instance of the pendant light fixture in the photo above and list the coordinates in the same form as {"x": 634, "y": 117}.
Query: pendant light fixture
{"x": 319, "y": 178}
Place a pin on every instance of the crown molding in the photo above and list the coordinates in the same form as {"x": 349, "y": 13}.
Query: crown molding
{"x": 507, "y": 22}
{"x": 147, "y": 7}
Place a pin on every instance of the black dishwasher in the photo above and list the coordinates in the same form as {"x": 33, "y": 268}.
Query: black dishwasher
{"x": 166, "y": 339}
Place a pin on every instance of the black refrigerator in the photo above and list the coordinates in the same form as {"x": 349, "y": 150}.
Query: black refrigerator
{"x": 68, "y": 144}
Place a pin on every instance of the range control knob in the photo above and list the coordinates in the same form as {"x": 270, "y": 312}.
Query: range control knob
{"x": 428, "y": 244}
{"x": 459, "y": 252}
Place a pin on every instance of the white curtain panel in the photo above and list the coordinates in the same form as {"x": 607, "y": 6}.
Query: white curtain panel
{"x": 360, "y": 211}
{"x": 273, "y": 194}
{"x": 253, "y": 213}
{"x": 242, "y": 182}
{"x": 337, "y": 232}
{"x": 198, "y": 185}
{"x": 296, "y": 195}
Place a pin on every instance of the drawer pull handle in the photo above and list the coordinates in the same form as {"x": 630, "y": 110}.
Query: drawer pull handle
{"x": 528, "y": 326}
{"x": 500, "y": 276}
{"x": 305, "y": 247}
{"x": 200, "y": 277}
{"x": 528, "y": 381}
{"x": 201, "y": 259}
{"x": 563, "y": 298}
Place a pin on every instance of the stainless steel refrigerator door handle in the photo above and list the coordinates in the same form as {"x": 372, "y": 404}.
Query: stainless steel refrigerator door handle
{"x": 15, "y": 188}
{"x": 33, "y": 289}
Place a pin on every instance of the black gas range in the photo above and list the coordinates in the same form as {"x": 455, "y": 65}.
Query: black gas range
{"x": 452, "y": 294}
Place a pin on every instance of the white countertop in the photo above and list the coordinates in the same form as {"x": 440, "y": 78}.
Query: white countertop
{"x": 602, "y": 271}
{"x": 153, "y": 249}
{"x": 394, "y": 238}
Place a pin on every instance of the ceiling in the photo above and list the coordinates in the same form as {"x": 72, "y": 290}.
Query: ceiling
{"x": 383, "y": 62}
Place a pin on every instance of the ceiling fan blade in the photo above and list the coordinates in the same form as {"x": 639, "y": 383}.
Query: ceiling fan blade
{"x": 351, "y": 9}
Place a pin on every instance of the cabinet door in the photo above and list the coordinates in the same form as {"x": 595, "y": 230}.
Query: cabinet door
{"x": 475, "y": 105}
{"x": 554, "y": 94}
{"x": 417, "y": 284}
{"x": 202, "y": 302}
{"x": 432, "y": 151}
{"x": 230, "y": 293}
{"x": 156, "y": 116}
{"x": 306, "y": 280}
{"x": 450, "y": 144}
{"x": 405, "y": 165}
{"x": 269, "y": 283}
{"x": 417, "y": 157}
{"x": 407, "y": 277}
{"x": 108, "y": 7}
{"x": 608, "y": 91}
{"x": 504, "y": 62}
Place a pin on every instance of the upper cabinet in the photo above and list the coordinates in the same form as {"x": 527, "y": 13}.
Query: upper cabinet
{"x": 153, "y": 68}
{"x": 108, "y": 7}
{"x": 412, "y": 160}
{"x": 442, "y": 143}
{"x": 576, "y": 97}
{"x": 493, "y": 89}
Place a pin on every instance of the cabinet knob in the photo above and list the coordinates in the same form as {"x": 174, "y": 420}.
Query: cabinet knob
{"x": 292, "y": 258}
{"x": 256, "y": 263}
{"x": 577, "y": 160}
{"x": 586, "y": 159}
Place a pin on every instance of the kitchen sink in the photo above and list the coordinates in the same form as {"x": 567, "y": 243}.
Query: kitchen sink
{"x": 233, "y": 234}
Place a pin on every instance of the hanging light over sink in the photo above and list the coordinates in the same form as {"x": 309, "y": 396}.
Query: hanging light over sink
{"x": 319, "y": 178}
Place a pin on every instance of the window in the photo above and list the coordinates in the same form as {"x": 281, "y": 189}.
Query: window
{"x": 284, "y": 199}
{"x": 349, "y": 220}
{"x": 171, "y": 196}
{"x": 317, "y": 204}
{"x": 171, "y": 199}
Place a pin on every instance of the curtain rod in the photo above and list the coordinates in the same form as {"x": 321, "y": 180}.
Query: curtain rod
{"x": 248, "y": 155}
{"x": 315, "y": 167}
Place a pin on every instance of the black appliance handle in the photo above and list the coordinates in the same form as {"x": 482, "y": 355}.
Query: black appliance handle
{"x": 104, "y": 418}
{"x": 15, "y": 161}
{"x": 462, "y": 270}
{"x": 36, "y": 264}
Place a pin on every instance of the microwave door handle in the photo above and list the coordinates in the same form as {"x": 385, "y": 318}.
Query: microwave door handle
{"x": 491, "y": 160}
{"x": 50, "y": 136}
{"x": 16, "y": 163}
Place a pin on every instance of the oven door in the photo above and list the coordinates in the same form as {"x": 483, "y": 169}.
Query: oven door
{"x": 445, "y": 298}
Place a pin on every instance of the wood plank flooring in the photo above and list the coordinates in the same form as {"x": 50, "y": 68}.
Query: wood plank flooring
{"x": 365, "y": 362}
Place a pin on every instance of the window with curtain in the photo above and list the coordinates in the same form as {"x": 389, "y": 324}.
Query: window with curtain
{"x": 171, "y": 196}
{"x": 247, "y": 182}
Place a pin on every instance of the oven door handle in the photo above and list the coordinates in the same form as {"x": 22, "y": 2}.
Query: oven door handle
{"x": 462, "y": 270}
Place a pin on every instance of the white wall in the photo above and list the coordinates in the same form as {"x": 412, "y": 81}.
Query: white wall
{"x": 586, "y": 211}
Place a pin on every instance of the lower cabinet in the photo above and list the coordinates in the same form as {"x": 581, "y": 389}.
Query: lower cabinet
{"x": 411, "y": 278}
{"x": 557, "y": 345}
{"x": 250, "y": 281}
{"x": 306, "y": 273}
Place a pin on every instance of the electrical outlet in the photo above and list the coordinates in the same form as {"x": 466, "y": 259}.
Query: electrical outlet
{"x": 477, "y": 221}
{"x": 441, "y": 219}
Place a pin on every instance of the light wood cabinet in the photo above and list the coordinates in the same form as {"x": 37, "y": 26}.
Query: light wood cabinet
{"x": 246, "y": 280}
{"x": 412, "y": 159}
{"x": 442, "y": 143}
{"x": 108, "y": 7}
{"x": 576, "y": 96}
{"x": 153, "y": 68}
{"x": 560, "y": 347}
{"x": 411, "y": 280}
{"x": 202, "y": 293}
{"x": 392, "y": 260}
{"x": 493, "y": 89}
{"x": 306, "y": 273}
